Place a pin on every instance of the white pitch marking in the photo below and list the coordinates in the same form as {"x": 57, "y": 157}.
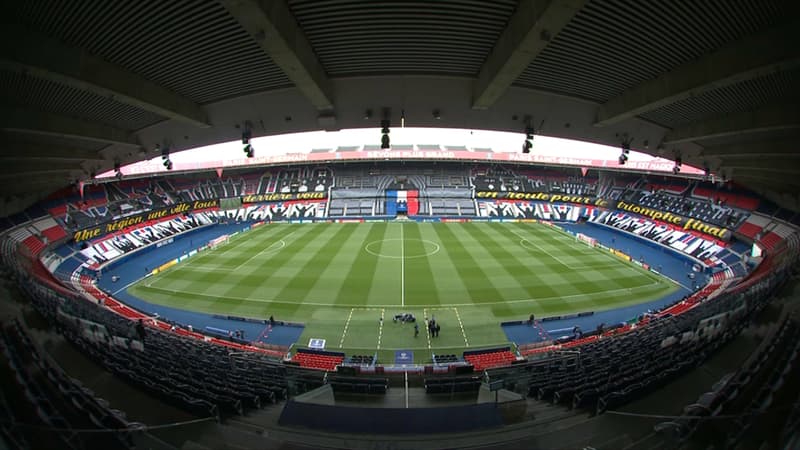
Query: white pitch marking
{"x": 380, "y": 328}
{"x": 463, "y": 333}
{"x": 524, "y": 239}
{"x": 125, "y": 287}
{"x": 346, "y": 324}
{"x": 427, "y": 330}
{"x": 267, "y": 248}
{"x": 402, "y": 270}
{"x": 607, "y": 254}
{"x": 435, "y": 250}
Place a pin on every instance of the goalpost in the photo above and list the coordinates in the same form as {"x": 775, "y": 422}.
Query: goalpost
{"x": 222, "y": 240}
{"x": 590, "y": 241}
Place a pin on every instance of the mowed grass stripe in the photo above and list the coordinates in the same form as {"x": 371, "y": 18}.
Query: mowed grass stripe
{"x": 229, "y": 293}
{"x": 368, "y": 280}
{"x": 264, "y": 277}
{"x": 358, "y": 275}
{"x": 246, "y": 247}
{"x": 479, "y": 285}
{"x": 447, "y": 282}
{"x": 420, "y": 278}
{"x": 503, "y": 272}
{"x": 385, "y": 286}
{"x": 605, "y": 261}
{"x": 315, "y": 257}
{"x": 610, "y": 269}
{"x": 183, "y": 278}
{"x": 248, "y": 279}
{"x": 533, "y": 277}
{"x": 585, "y": 279}
{"x": 336, "y": 270}
{"x": 212, "y": 267}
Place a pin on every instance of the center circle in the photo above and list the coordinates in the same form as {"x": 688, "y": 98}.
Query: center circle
{"x": 429, "y": 247}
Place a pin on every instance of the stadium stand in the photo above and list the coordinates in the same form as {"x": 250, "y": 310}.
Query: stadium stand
{"x": 618, "y": 363}
{"x": 191, "y": 374}
{"x": 452, "y": 384}
{"x": 359, "y": 385}
{"x": 60, "y": 403}
{"x": 703, "y": 248}
{"x": 367, "y": 360}
{"x": 705, "y": 210}
{"x": 747, "y": 393}
{"x": 444, "y": 359}
{"x": 488, "y": 358}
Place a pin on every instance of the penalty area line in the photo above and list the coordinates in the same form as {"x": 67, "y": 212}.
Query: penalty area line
{"x": 267, "y": 248}
{"x": 380, "y": 328}
{"x": 402, "y": 269}
{"x": 427, "y": 330}
{"x": 346, "y": 324}
{"x": 524, "y": 239}
{"x": 461, "y": 325}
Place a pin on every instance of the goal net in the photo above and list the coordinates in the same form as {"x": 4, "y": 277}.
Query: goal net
{"x": 216, "y": 242}
{"x": 590, "y": 241}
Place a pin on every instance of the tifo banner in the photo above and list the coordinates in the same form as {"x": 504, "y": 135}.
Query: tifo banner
{"x": 136, "y": 219}
{"x": 525, "y": 210}
{"x": 674, "y": 219}
{"x": 293, "y": 210}
{"x": 702, "y": 247}
{"x": 542, "y": 197}
{"x": 283, "y": 196}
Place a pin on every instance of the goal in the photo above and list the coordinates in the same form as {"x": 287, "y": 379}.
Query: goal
{"x": 216, "y": 242}
{"x": 590, "y": 241}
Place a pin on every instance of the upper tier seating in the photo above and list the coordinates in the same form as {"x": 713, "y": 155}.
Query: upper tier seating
{"x": 704, "y": 210}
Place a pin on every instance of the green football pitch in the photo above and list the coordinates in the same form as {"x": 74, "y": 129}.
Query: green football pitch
{"x": 345, "y": 282}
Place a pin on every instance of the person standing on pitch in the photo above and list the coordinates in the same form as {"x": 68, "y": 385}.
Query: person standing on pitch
{"x": 416, "y": 329}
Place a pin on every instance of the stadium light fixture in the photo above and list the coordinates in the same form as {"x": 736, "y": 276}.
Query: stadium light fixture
{"x": 247, "y": 134}
{"x": 677, "y": 167}
{"x": 528, "y": 144}
{"x": 385, "y": 143}
{"x": 626, "y": 150}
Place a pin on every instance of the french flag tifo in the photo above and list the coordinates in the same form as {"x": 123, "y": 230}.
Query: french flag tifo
{"x": 402, "y": 201}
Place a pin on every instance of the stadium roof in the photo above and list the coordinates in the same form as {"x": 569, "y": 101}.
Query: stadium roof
{"x": 86, "y": 84}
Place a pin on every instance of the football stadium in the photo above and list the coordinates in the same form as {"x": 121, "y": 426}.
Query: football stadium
{"x": 364, "y": 224}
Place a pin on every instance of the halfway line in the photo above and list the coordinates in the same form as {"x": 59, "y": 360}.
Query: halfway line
{"x": 402, "y": 269}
